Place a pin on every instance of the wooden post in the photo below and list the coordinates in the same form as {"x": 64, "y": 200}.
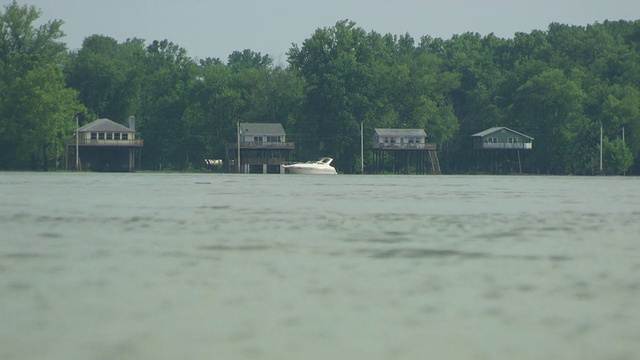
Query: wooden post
{"x": 519, "y": 162}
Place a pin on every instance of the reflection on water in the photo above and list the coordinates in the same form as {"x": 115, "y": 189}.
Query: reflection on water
{"x": 165, "y": 266}
{"x": 431, "y": 253}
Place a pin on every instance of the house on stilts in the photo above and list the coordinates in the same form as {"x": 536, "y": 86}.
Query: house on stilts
{"x": 498, "y": 148}
{"x": 261, "y": 148}
{"x": 404, "y": 151}
{"x": 104, "y": 145}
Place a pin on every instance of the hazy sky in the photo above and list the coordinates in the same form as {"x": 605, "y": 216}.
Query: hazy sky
{"x": 215, "y": 28}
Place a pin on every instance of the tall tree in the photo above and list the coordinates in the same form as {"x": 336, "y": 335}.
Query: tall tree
{"x": 36, "y": 108}
{"x": 170, "y": 74}
{"x": 549, "y": 107}
{"x": 331, "y": 61}
{"x": 108, "y": 76}
{"x": 24, "y": 47}
{"x": 43, "y": 110}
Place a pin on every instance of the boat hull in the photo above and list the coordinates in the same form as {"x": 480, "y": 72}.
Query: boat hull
{"x": 310, "y": 171}
{"x": 320, "y": 167}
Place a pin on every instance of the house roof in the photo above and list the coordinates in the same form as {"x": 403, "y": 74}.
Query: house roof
{"x": 105, "y": 125}
{"x": 401, "y": 132}
{"x": 496, "y": 129}
{"x": 250, "y": 129}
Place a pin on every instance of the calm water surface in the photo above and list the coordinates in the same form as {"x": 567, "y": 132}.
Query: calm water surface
{"x": 157, "y": 266}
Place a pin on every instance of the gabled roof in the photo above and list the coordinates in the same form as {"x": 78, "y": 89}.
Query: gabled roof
{"x": 105, "y": 125}
{"x": 496, "y": 129}
{"x": 400, "y": 132}
{"x": 250, "y": 129}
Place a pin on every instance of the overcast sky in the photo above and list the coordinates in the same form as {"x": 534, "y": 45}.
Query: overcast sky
{"x": 215, "y": 28}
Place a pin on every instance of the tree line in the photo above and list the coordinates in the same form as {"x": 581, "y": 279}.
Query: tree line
{"x": 560, "y": 86}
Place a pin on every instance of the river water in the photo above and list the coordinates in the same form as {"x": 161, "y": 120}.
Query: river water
{"x": 209, "y": 266}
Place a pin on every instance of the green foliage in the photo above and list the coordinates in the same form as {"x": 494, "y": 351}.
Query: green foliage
{"x": 108, "y": 76}
{"x": 353, "y": 76}
{"x": 36, "y": 108}
{"x": 24, "y": 47}
{"x": 44, "y": 110}
{"x": 166, "y": 95}
{"x": 617, "y": 157}
{"x": 248, "y": 59}
{"x": 548, "y": 106}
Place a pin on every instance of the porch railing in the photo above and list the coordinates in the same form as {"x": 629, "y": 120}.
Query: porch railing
{"x": 104, "y": 142}
{"x": 263, "y": 145}
{"x": 406, "y": 146}
{"x": 524, "y": 146}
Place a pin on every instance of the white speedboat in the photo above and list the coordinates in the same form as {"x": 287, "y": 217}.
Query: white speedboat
{"x": 320, "y": 167}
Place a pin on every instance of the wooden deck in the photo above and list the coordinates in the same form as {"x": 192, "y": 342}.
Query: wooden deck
{"x": 262, "y": 146}
{"x": 401, "y": 147}
{"x": 106, "y": 143}
{"x": 502, "y": 146}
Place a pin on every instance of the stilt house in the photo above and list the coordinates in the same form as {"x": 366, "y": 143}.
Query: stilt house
{"x": 497, "y": 145}
{"x": 262, "y": 148}
{"x": 408, "y": 150}
{"x": 104, "y": 145}
{"x": 501, "y": 138}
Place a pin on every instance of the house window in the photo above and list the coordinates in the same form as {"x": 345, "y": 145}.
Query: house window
{"x": 116, "y": 136}
{"x": 109, "y": 136}
{"x": 392, "y": 140}
{"x": 125, "y": 136}
{"x": 273, "y": 138}
{"x": 257, "y": 138}
{"x": 386, "y": 140}
{"x": 492, "y": 140}
{"x": 512, "y": 140}
{"x": 94, "y": 136}
{"x": 100, "y": 136}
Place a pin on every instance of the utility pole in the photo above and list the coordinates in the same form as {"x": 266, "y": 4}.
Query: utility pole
{"x": 362, "y": 147}
{"x": 77, "y": 145}
{"x": 238, "y": 165}
{"x": 624, "y": 173}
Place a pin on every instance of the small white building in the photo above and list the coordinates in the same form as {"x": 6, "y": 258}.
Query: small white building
{"x": 409, "y": 150}
{"x": 262, "y": 134}
{"x": 501, "y": 138}
{"x": 107, "y": 132}
{"x": 399, "y": 139}
{"x": 263, "y": 148}
{"x": 104, "y": 145}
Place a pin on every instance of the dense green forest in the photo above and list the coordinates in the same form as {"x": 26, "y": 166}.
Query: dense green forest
{"x": 559, "y": 85}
